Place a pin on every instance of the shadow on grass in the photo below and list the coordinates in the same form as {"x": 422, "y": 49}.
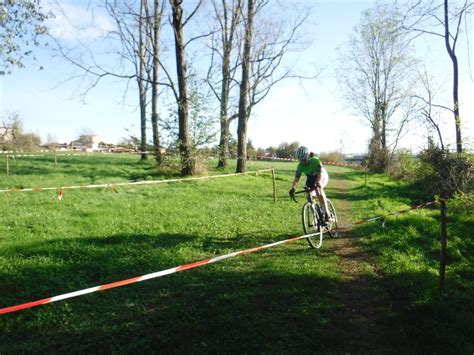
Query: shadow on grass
{"x": 408, "y": 249}
{"x": 219, "y": 307}
{"x": 434, "y": 323}
{"x": 206, "y": 310}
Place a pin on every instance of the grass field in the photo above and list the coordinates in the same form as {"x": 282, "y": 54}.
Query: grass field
{"x": 383, "y": 297}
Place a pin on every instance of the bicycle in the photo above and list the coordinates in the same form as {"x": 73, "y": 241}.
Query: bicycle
{"x": 313, "y": 219}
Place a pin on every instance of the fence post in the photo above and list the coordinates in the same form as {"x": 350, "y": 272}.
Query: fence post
{"x": 444, "y": 238}
{"x": 274, "y": 185}
{"x": 7, "y": 167}
{"x": 365, "y": 166}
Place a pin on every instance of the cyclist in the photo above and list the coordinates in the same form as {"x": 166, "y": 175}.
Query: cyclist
{"x": 316, "y": 176}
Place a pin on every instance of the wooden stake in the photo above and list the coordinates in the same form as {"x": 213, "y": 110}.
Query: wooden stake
{"x": 365, "y": 175}
{"x": 444, "y": 243}
{"x": 274, "y": 185}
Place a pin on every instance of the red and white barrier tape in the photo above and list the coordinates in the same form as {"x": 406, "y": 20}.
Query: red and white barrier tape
{"x": 147, "y": 182}
{"x": 264, "y": 157}
{"x": 349, "y": 165}
{"x": 142, "y": 278}
{"x": 423, "y": 205}
{"x": 183, "y": 267}
{"x": 11, "y": 155}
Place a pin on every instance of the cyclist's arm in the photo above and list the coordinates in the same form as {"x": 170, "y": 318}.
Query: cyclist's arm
{"x": 295, "y": 183}
{"x": 296, "y": 180}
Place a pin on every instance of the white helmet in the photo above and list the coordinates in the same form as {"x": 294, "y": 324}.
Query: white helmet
{"x": 302, "y": 153}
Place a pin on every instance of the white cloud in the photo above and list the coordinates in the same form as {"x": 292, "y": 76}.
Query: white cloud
{"x": 74, "y": 22}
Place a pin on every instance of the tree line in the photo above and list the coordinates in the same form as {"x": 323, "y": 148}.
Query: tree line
{"x": 236, "y": 56}
{"x": 387, "y": 85}
{"x": 180, "y": 55}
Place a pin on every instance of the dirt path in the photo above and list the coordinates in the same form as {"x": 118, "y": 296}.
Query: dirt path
{"x": 366, "y": 307}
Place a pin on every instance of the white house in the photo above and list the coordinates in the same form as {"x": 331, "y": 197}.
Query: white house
{"x": 89, "y": 143}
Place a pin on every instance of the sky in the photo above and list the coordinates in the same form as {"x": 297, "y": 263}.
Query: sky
{"x": 311, "y": 112}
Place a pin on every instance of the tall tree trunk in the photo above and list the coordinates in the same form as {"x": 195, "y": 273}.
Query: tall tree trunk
{"x": 383, "y": 135}
{"x": 187, "y": 160}
{"x": 244, "y": 88}
{"x": 454, "y": 59}
{"x": 385, "y": 161}
{"x": 228, "y": 35}
{"x": 224, "y": 139}
{"x": 154, "y": 90}
{"x": 141, "y": 78}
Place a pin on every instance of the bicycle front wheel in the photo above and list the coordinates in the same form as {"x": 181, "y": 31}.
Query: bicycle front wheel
{"x": 312, "y": 225}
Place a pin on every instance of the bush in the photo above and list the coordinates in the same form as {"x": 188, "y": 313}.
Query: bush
{"x": 446, "y": 173}
{"x": 405, "y": 167}
{"x": 462, "y": 203}
{"x": 171, "y": 164}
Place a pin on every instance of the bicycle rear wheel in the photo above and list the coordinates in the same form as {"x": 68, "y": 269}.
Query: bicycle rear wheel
{"x": 312, "y": 224}
{"x": 332, "y": 224}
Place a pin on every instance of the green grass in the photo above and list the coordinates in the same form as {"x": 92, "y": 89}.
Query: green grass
{"x": 283, "y": 299}
{"x": 407, "y": 254}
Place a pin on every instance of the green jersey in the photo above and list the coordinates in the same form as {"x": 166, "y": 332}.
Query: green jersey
{"x": 314, "y": 166}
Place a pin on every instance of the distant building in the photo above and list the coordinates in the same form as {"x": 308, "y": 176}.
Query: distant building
{"x": 355, "y": 158}
{"x": 89, "y": 143}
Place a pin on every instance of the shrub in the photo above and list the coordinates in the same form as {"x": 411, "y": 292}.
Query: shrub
{"x": 446, "y": 173}
{"x": 462, "y": 203}
{"x": 405, "y": 167}
{"x": 171, "y": 164}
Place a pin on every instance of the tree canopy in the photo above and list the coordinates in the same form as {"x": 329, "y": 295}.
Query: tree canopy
{"x": 22, "y": 24}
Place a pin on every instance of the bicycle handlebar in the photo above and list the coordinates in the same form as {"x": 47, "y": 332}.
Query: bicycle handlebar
{"x": 293, "y": 197}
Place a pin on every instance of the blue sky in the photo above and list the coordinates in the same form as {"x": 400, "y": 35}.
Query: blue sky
{"x": 311, "y": 112}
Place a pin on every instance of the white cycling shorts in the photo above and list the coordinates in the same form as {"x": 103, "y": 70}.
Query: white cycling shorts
{"x": 324, "y": 178}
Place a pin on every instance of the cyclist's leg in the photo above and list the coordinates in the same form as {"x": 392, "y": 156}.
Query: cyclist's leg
{"x": 324, "y": 202}
{"x": 321, "y": 194}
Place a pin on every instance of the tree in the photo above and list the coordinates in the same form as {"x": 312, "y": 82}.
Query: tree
{"x": 144, "y": 55}
{"x": 13, "y": 137}
{"x": 178, "y": 23}
{"x": 440, "y": 19}
{"x": 428, "y": 108}
{"x": 158, "y": 11}
{"x": 142, "y": 58}
{"x": 244, "y": 90}
{"x": 376, "y": 72}
{"x": 202, "y": 131}
{"x": 287, "y": 150}
{"x": 267, "y": 40}
{"x": 134, "y": 43}
{"x": 224, "y": 46}
{"x": 22, "y": 25}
